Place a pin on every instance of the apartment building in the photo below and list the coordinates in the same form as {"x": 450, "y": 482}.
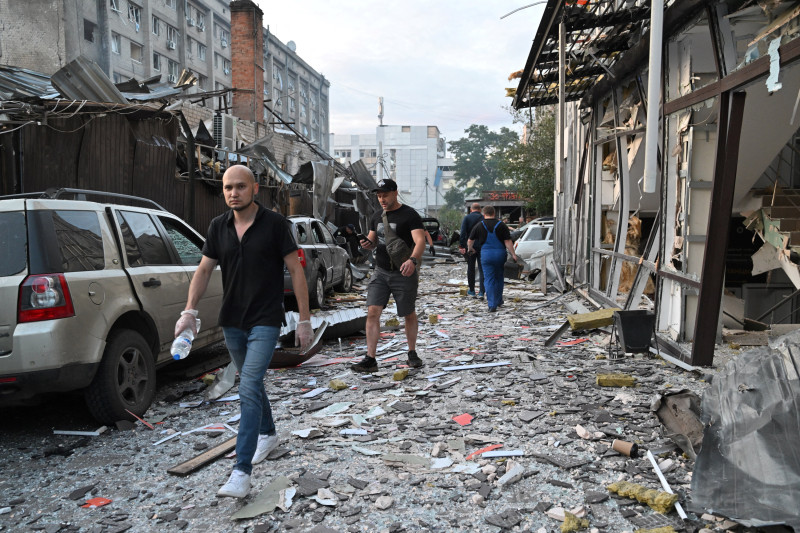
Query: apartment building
{"x": 146, "y": 38}
{"x": 414, "y": 156}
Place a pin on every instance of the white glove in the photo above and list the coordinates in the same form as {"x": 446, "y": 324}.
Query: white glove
{"x": 188, "y": 319}
{"x": 303, "y": 335}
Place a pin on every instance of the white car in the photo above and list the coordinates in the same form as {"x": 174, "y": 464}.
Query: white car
{"x": 534, "y": 243}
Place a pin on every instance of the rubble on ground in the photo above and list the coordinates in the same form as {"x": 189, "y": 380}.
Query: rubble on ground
{"x": 495, "y": 433}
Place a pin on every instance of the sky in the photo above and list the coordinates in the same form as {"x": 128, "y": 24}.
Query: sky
{"x": 438, "y": 63}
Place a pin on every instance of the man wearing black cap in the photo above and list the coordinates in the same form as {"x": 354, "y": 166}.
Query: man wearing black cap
{"x": 401, "y": 280}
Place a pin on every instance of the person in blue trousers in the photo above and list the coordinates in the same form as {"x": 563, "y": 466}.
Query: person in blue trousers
{"x": 494, "y": 238}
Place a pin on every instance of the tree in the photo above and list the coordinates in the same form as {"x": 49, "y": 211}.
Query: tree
{"x": 477, "y": 159}
{"x": 450, "y": 219}
{"x": 531, "y": 165}
{"x": 454, "y": 198}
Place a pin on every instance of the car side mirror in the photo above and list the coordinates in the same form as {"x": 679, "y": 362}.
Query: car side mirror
{"x": 340, "y": 240}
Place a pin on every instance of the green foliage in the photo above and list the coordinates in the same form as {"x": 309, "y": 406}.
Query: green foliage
{"x": 450, "y": 219}
{"x": 477, "y": 160}
{"x": 454, "y": 198}
{"x": 531, "y": 166}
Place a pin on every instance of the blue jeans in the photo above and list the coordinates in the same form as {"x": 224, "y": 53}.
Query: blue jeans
{"x": 493, "y": 262}
{"x": 251, "y": 351}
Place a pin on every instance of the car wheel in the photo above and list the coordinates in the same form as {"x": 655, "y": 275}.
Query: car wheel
{"x": 126, "y": 379}
{"x": 347, "y": 280}
{"x": 316, "y": 292}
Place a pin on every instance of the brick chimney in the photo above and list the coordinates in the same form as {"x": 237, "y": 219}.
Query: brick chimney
{"x": 247, "y": 60}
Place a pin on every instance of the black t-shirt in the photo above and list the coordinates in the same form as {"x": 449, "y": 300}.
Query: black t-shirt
{"x": 479, "y": 233}
{"x": 252, "y": 270}
{"x": 402, "y": 220}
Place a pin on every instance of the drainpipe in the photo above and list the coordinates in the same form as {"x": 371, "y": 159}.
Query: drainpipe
{"x": 653, "y": 96}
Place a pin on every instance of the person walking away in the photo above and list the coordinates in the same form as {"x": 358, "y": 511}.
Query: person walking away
{"x": 473, "y": 259}
{"x": 494, "y": 239}
{"x": 400, "y": 281}
{"x": 251, "y": 245}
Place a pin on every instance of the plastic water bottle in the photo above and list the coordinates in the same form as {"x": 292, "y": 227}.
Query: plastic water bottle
{"x": 182, "y": 344}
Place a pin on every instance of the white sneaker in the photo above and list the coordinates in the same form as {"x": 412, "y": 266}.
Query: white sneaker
{"x": 266, "y": 443}
{"x": 238, "y": 485}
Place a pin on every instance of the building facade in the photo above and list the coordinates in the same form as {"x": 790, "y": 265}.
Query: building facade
{"x": 413, "y": 156}
{"x": 145, "y": 38}
{"x": 709, "y": 235}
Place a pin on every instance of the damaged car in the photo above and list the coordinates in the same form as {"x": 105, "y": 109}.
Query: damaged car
{"x": 92, "y": 290}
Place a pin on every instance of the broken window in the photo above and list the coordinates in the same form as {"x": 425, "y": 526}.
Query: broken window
{"x": 172, "y": 71}
{"x": 690, "y": 60}
{"x": 156, "y": 25}
{"x": 200, "y": 21}
{"x": 114, "y": 5}
{"x": 116, "y": 43}
{"x": 172, "y": 37}
{"x": 135, "y": 14}
{"x": 89, "y": 28}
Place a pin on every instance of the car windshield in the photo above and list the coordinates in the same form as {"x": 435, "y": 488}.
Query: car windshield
{"x": 13, "y": 240}
{"x": 536, "y": 234}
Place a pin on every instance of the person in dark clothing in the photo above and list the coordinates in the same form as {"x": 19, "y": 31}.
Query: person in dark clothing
{"x": 400, "y": 281}
{"x": 251, "y": 245}
{"x": 474, "y": 217}
{"x": 350, "y": 235}
{"x": 494, "y": 238}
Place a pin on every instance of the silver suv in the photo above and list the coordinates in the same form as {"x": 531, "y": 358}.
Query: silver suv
{"x": 90, "y": 295}
{"x": 325, "y": 263}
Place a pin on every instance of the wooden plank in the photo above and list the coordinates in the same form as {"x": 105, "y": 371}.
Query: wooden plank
{"x": 203, "y": 459}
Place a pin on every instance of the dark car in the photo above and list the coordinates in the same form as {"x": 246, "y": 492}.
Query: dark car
{"x": 325, "y": 263}
{"x": 432, "y": 227}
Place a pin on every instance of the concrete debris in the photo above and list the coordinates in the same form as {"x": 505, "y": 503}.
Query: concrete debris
{"x": 366, "y": 452}
{"x": 384, "y": 502}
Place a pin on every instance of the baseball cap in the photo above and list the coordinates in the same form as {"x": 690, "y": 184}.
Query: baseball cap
{"x": 386, "y": 185}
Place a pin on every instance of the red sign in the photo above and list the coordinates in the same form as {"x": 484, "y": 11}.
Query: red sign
{"x": 500, "y": 195}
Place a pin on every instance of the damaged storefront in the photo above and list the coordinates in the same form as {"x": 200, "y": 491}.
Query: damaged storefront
{"x": 685, "y": 204}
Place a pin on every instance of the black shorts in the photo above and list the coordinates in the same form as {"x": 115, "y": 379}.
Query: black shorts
{"x": 392, "y": 282}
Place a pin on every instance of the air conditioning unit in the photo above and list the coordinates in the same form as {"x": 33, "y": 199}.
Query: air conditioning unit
{"x": 223, "y": 131}
{"x": 201, "y": 26}
{"x": 171, "y": 45}
{"x": 190, "y": 22}
{"x": 226, "y": 71}
{"x": 223, "y": 43}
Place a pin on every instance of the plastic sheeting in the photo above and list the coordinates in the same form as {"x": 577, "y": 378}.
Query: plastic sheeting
{"x": 749, "y": 465}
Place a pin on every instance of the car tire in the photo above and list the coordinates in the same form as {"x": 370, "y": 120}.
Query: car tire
{"x": 347, "y": 280}
{"x": 125, "y": 379}
{"x": 316, "y": 291}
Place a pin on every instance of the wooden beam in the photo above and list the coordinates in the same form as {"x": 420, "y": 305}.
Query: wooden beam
{"x": 187, "y": 467}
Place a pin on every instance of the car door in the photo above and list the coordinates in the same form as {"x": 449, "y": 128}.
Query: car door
{"x": 323, "y": 250}
{"x": 339, "y": 255}
{"x": 161, "y": 284}
{"x": 188, "y": 247}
